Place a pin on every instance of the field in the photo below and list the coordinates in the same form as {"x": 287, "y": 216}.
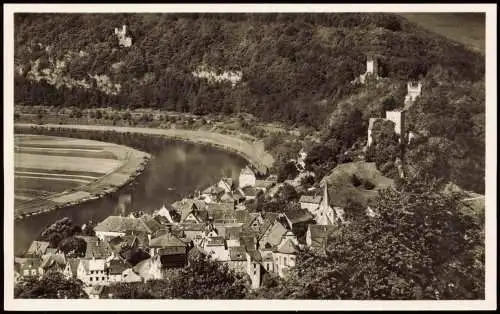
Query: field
{"x": 341, "y": 188}
{"x": 53, "y": 171}
{"x": 465, "y": 28}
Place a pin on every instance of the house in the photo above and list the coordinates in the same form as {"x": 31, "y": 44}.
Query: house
{"x": 171, "y": 250}
{"x": 93, "y": 272}
{"x": 254, "y": 268}
{"x": 317, "y": 235}
{"x": 55, "y": 263}
{"x": 191, "y": 211}
{"x": 310, "y": 202}
{"x": 285, "y": 254}
{"x": 272, "y": 235}
{"x": 166, "y": 213}
{"x": 212, "y": 194}
{"x": 297, "y": 218}
{"x": 115, "y": 269}
{"x": 116, "y": 226}
{"x": 237, "y": 259}
{"x": 30, "y": 267}
{"x": 71, "y": 268}
{"x": 37, "y": 248}
{"x": 264, "y": 185}
{"x": 190, "y": 231}
{"x": 149, "y": 269}
{"x": 216, "y": 248}
{"x": 246, "y": 178}
{"x": 226, "y": 184}
{"x": 250, "y": 193}
{"x": 97, "y": 248}
{"x": 128, "y": 275}
{"x": 119, "y": 243}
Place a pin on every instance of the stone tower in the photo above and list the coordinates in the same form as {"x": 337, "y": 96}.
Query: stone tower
{"x": 372, "y": 66}
{"x": 414, "y": 90}
{"x": 398, "y": 117}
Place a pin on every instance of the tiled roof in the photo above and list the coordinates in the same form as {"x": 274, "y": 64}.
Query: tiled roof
{"x": 250, "y": 191}
{"x": 38, "y": 248}
{"x": 166, "y": 240}
{"x": 275, "y": 233}
{"x": 34, "y": 262}
{"x": 151, "y": 224}
{"x": 310, "y": 199}
{"x": 247, "y": 171}
{"x": 241, "y": 215}
{"x": 122, "y": 224}
{"x": 265, "y": 184}
{"x": 237, "y": 253}
{"x": 215, "y": 241}
{"x": 255, "y": 256}
{"x": 298, "y": 216}
{"x": 211, "y": 207}
{"x": 49, "y": 260}
{"x": 97, "y": 248}
{"x": 172, "y": 250}
{"x": 248, "y": 242}
{"x": 117, "y": 266}
{"x": 227, "y": 197}
{"x": 287, "y": 247}
{"x": 73, "y": 265}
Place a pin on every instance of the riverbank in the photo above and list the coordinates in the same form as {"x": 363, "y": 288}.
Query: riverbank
{"x": 254, "y": 153}
{"x": 47, "y": 168}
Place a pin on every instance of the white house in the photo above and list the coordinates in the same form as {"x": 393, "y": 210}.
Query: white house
{"x": 246, "y": 178}
{"x": 93, "y": 272}
{"x": 310, "y": 202}
{"x": 285, "y": 254}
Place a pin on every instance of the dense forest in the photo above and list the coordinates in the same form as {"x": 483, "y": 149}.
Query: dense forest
{"x": 295, "y": 68}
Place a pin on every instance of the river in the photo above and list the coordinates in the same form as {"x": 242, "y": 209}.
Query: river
{"x": 175, "y": 170}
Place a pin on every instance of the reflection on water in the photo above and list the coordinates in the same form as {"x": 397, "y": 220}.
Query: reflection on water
{"x": 176, "y": 170}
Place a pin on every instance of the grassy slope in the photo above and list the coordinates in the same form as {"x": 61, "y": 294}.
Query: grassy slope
{"x": 340, "y": 187}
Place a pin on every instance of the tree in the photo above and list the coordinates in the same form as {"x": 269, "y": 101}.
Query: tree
{"x": 421, "y": 246}
{"x": 52, "y": 286}
{"x": 287, "y": 172}
{"x": 74, "y": 245}
{"x": 59, "y": 230}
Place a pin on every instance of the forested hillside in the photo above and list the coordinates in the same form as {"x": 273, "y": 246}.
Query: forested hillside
{"x": 293, "y": 68}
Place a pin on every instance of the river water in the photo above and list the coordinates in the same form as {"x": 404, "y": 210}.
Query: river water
{"x": 175, "y": 170}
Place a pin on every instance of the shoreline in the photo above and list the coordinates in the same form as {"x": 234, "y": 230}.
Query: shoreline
{"x": 254, "y": 154}
{"x": 140, "y": 163}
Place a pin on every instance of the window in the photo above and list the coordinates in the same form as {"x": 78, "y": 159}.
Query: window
{"x": 96, "y": 278}
{"x": 91, "y": 272}
{"x": 267, "y": 267}
{"x": 103, "y": 278}
{"x": 254, "y": 272}
{"x": 284, "y": 260}
{"x": 91, "y": 278}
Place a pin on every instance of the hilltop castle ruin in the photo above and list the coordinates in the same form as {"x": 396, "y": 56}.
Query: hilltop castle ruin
{"x": 123, "y": 40}
{"x": 372, "y": 71}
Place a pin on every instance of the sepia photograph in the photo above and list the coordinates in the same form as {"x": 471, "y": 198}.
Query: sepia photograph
{"x": 249, "y": 156}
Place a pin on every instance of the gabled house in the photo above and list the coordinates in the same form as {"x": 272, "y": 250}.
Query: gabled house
{"x": 117, "y": 226}
{"x": 285, "y": 254}
{"x": 310, "y": 202}
{"x": 115, "y": 269}
{"x": 97, "y": 248}
{"x": 166, "y": 213}
{"x": 298, "y": 218}
{"x": 30, "y": 267}
{"x": 249, "y": 192}
{"x": 226, "y": 184}
{"x": 93, "y": 272}
{"x": 149, "y": 269}
{"x": 171, "y": 250}
{"x": 272, "y": 236}
{"x": 71, "y": 268}
{"x": 246, "y": 178}
{"x": 37, "y": 248}
{"x": 53, "y": 263}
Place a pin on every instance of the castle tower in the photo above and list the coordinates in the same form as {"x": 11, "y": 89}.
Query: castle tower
{"x": 398, "y": 117}
{"x": 371, "y": 66}
{"x": 414, "y": 89}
